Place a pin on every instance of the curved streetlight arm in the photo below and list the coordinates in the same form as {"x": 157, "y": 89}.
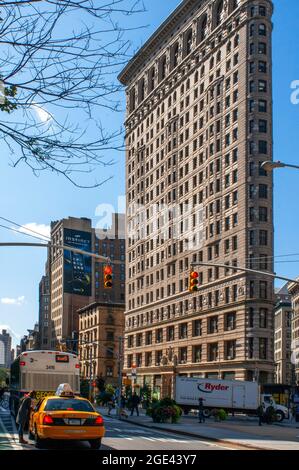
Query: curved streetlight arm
{"x": 270, "y": 165}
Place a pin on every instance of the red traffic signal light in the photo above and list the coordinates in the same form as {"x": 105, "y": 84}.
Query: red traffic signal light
{"x": 108, "y": 276}
{"x": 193, "y": 281}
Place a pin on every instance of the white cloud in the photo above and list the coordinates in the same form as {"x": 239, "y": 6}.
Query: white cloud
{"x": 41, "y": 230}
{"x": 13, "y": 301}
{"x": 42, "y": 113}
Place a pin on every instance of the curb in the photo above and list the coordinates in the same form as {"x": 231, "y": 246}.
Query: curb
{"x": 186, "y": 433}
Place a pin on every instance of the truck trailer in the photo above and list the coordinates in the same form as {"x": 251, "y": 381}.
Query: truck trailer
{"x": 229, "y": 395}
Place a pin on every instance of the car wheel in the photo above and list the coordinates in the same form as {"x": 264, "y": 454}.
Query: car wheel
{"x": 279, "y": 416}
{"x": 37, "y": 440}
{"x": 95, "y": 444}
{"x": 206, "y": 413}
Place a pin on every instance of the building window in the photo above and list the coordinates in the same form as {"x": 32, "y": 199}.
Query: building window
{"x": 213, "y": 325}
{"x": 263, "y": 317}
{"x": 263, "y": 289}
{"x": 263, "y": 342}
{"x": 263, "y": 238}
{"x": 159, "y": 355}
{"x": 251, "y": 317}
{"x": 188, "y": 40}
{"x": 212, "y": 352}
{"x": 148, "y": 359}
{"x": 109, "y": 371}
{"x": 130, "y": 360}
{"x": 183, "y": 330}
{"x": 230, "y": 350}
{"x": 148, "y": 338}
{"x": 263, "y": 191}
{"x": 139, "y": 360}
{"x": 197, "y": 353}
{"x": 230, "y": 321}
{"x": 262, "y": 30}
{"x": 139, "y": 339}
{"x": 110, "y": 336}
{"x": 183, "y": 355}
{"x": 163, "y": 67}
{"x": 170, "y": 333}
{"x": 197, "y": 327}
{"x": 219, "y": 13}
{"x": 159, "y": 335}
{"x": 130, "y": 341}
{"x": 250, "y": 348}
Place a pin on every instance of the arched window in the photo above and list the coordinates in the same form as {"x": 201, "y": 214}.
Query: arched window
{"x": 219, "y": 13}
{"x": 233, "y": 5}
{"x": 151, "y": 79}
{"x": 189, "y": 42}
{"x": 203, "y": 28}
{"x": 262, "y": 29}
{"x": 175, "y": 55}
{"x": 163, "y": 67}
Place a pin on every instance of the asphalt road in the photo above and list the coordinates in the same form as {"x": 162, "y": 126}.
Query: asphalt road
{"x": 120, "y": 435}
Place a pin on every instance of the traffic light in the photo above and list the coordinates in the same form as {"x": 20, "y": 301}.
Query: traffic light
{"x": 108, "y": 276}
{"x": 193, "y": 281}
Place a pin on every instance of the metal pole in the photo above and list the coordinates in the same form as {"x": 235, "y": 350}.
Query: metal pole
{"x": 61, "y": 247}
{"x": 120, "y": 352}
{"x": 246, "y": 270}
{"x": 90, "y": 371}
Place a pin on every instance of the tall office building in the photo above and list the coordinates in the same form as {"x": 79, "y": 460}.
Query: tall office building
{"x": 293, "y": 289}
{"x": 5, "y": 349}
{"x": 198, "y": 127}
{"x": 44, "y": 317}
{"x": 283, "y": 314}
{"x": 77, "y": 280}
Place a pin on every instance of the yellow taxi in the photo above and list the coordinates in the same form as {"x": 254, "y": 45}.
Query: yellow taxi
{"x": 65, "y": 416}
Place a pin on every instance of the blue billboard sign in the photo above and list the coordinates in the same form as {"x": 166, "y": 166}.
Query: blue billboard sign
{"x": 77, "y": 267}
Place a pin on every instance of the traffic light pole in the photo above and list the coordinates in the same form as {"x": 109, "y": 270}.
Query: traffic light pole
{"x": 120, "y": 370}
{"x": 236, "y": 268}
{"x": 61, "y": 247}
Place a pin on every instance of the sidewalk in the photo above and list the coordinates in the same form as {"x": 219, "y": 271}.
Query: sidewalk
{"x": 242, "y": 432}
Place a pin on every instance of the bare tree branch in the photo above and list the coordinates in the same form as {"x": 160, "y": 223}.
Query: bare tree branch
{"x": 59, "y": 60}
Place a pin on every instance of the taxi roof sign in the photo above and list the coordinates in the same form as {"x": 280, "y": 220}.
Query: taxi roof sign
{"x": 64, "y": 390}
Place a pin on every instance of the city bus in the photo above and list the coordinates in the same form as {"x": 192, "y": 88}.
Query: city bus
{"x": 42, "y": 371}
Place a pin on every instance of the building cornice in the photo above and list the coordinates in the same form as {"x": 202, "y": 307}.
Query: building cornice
{"x": 95, "y": 305}
{"x": 168, "y": 26}
{"x": 161, "y": 33}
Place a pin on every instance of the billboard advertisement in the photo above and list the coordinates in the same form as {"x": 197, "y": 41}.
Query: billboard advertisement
{"x": 77, "y": 267}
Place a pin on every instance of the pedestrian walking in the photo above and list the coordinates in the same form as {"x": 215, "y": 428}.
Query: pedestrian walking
{"x": 123, "y": 413}
{"x": 260, "y": 413}
{"x": 24, "y": 414}
{"x": 135, "y": 402}
{"x": 110, "y": 405}
{"x": 201, "y": 416}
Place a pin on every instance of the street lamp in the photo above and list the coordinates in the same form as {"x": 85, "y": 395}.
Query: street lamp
{"x": 270, "y": 166}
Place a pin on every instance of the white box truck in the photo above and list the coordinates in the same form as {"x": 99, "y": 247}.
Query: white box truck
{"x": 230, "y": 395}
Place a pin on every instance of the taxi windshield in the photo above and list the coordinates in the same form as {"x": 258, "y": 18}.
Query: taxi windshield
{"x": 68, "y": 404}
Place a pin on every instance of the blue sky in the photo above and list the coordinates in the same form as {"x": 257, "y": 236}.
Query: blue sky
{"x": 25, "y": 198}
